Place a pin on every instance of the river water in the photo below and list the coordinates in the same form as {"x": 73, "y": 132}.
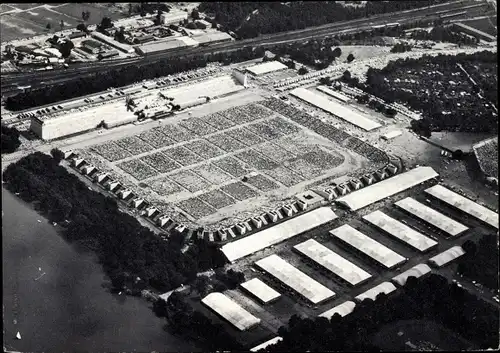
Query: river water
{"x": 55, "y": 296}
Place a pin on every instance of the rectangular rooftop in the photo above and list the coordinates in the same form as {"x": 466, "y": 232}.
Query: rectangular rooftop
{"x": 260, "y": 290}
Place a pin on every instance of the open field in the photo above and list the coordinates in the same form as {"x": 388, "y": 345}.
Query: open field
{"x": 198, "y": 163}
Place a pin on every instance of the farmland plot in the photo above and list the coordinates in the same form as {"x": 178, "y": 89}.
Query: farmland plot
{"x": 212, "y": 174}
{"x": 266, "y": 131}
{"x": 232, "y": 166}
{"x": 323, "y": 159}
{"x": 156, "y": 138}
{"x": 283, "y": 126}
{"x": 217, "y": 199}
{"x": 304, "y": 168}
{"x": 177, "y": 133}
{"x": 165, "y": 187}
{"x": 190, "y": 180}
{"x": 262, "y": 183}
{"x": 225, "y": 142}
{"x": 160, "y": 162}
{"x": 137, "y": 169}
{"x": 239, "y": 191}
{"x": 285, "y": 176}
{"x": 111, "y": 151}
{"x": 256, "y": 160}
{"x": 218, "y": 121}
{"x": 274, "y": 152}
{"x": 244, "y": 136}
{"x": 182, "y": 155}
{"x": 294, "y": 144}
{"x": 204, "y": 149}
{"x": 196, "y": 208}
{"x": 197, "y": 126}
{"x": 134, "y": 145}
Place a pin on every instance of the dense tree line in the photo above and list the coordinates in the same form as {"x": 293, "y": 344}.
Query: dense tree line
{"x": 480, "y": 262}
{"x": 433, "y": 105}
{"x": 250, "y": 19}
{"x": 401, "y": 48}
{"x": 123, "y": 76}
{"x": 133, "y": 256}
{"x": 10, "y": 139}
{"x": 432, "y": 298}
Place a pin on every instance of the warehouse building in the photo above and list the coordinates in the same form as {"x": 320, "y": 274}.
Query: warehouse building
{"x": 295, "y": 279}
{"x": 400, "y": 231}
{"x": 333, "y": 262}
{"x": 366, "y": 245}
{"x": 337, "y": 109}
{"x": 212, "y": 38}
{"x": 276, "y": 234}
{"x": 428, "y": 215}
{"x": 267, "y": 67}
{"x": 164, "y": 46}
{"x": 173, "y": 17}
{"x": 418, "y": 271}
{"x": 386, "y": 188}
{"x": 343, "y": 309}
{"x": 230, "y": 311}
{"x": 267, "y": 343}
{"x": 384, "y": 287}
{"x": 447, "y": 256}
{"x": 110, "y": 41}
{"x": 464, "y": 204}
{"x": 260, "y": 290}
{"x": 335, "y": 94}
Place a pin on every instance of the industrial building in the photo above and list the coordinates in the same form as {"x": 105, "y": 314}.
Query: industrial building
{"x": 447, "y": 256}
{"x": 264, "y": 68}
{"x": 391, "y": 135}
{"x": 173, "y": 17}
{"x": 49, "y": 127}
{"x": 231, "y": 311}
{"x": 260, "y": 290}
{"x": 115, "y": 44}
{"x": 295, "y": 279}
{"x": 164, "y": 46}
{"x": 384, "y": 287}
{"x": 267, "y": 343}
{"x": 400, "y": 231}
{"x": 460, "y": 27}
{"x": 366, "y": 245}
{"x": 333, "y": 262}
{"x": 335, "y": 94}
{"x": 276, "y": 234}
{"x": 464, "y": 204}
{"x": 417, "y": 271}
{"x": 386, "y": 188}
{"x": 212, "y": 38}
{"x": 431, "y": 216}
{"x": 335, "y": 108}
{"x": 343, "y": 309}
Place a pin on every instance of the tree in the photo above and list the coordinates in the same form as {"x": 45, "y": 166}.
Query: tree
{"x": 327, "y": 81}
{"x": 130, "y": 8}
{"x": 61, "y": 24}
{"x": 158, "y": 17}
{"x": 346, "y": 76}
{"x": 195, "y": 14}
{"x": 469, "y": 247}
{"x": 337, "y": 52}
{"x": 105, "y": 23}
{"x": 350, "y": 58}
{"x": 57, "y": 154}
{"x": 49, "y": 26}
{"x": 82, "y": 27}
{"x": 201, "y": 284}
{"x": 303, "y": 70}
{"x": 65, "y": 48}
{"x": 191, "y": 25}
{"x": 458, "y": 154}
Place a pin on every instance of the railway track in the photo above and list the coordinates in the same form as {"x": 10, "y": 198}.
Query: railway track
{"x": 62, "y": 75}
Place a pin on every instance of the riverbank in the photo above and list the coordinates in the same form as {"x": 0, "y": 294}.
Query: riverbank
{"x": 69, "y": 308}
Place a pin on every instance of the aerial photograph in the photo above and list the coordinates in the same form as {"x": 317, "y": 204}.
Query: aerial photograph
{"x": 304, "y": 176}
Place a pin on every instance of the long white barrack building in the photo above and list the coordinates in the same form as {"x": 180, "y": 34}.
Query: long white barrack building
{"x": 373, "y": 249}
{"x": 416, "y": 271}
{"x": 267, "y": 343}
{"x": 336, "y": 109}
{"x": 260, "y": 290}
{"x": 384, "y": 287}
{"x": 343, "y": 309}
{"x": 447, "y": 256}
{"x": 386, "y": 188}
{"x": 276, "y": 234}
{"x": 231, "y": 311}
{"x": 464, "y": 204}
{"x": 333, "y": 262}
{"x": 431, "y": 216}
{"x": 295, "y": 279}
{"x": 266, "y": 67}
{"x": 341, "y": 97}
{"x": 400, "y": 231}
